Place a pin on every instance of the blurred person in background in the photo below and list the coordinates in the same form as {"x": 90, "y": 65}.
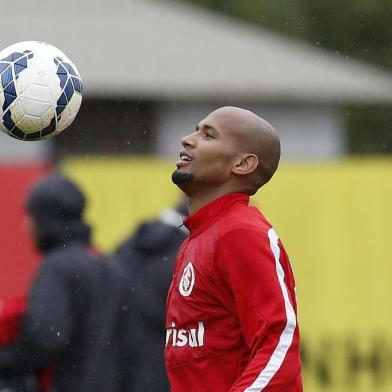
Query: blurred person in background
{"x": 146, "y": 262}
{"x": 11, "y": 311}
{"x": 72, "y": 319}
{"x": 231, "y": 310}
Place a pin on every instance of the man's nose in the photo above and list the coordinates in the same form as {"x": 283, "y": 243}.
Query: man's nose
{"x": 187, "y": 141}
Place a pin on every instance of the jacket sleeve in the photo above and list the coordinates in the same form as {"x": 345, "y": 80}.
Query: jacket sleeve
{"x": 46, "y": 325}
{"x": 250, "y": 262}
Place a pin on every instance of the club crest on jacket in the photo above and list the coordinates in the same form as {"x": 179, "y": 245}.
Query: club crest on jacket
{"x": 187, "y": 280}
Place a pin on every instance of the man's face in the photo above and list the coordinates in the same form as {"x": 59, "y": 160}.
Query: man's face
{"x": 208, "y": 155}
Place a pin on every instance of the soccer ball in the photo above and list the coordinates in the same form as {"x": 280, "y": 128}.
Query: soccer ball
{"x": 40, "y": 91}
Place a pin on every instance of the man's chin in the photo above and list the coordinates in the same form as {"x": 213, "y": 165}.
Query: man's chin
{"x": 181, "y": 178}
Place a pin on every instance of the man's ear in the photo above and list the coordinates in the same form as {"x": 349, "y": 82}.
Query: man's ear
{"x": 245, "y": 164}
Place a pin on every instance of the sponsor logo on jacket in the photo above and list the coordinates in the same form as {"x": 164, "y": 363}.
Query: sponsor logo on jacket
{"x": 193, "y": 337}
{"x": 187, "y": 280}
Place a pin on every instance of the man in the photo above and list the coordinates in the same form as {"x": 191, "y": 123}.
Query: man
{"x": 231, "y": 309}
{"x": 146, "y": 262}
{"x": 73, "y": 318}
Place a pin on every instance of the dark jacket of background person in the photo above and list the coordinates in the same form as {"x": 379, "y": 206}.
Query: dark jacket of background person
{"x": 71, "y": 320}
{"x": 146, "y": 261}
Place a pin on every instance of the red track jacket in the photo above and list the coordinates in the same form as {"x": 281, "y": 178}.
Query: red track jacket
{"x": 231, "y": 310}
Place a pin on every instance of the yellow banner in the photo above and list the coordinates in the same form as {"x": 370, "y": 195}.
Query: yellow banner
{"x": 335, "y": 221}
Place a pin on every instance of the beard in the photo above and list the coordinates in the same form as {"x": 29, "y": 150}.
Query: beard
{"x": 181, "y": 178}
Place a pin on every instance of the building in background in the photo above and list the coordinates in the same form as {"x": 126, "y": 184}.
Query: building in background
{"x": 152, "y": 68}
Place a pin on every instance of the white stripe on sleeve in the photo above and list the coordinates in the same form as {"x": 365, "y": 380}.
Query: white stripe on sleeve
{"x": 286, "y": 337}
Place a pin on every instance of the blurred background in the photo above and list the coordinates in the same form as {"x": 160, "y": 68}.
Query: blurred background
{"x": 318, "y": 70}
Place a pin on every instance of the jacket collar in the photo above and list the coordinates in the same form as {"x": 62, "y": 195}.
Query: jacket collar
{"x": 210, "y": 213}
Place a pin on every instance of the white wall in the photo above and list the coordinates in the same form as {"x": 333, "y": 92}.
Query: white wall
{"x": 16, "y": 151}
{"x": 307, "y": 133}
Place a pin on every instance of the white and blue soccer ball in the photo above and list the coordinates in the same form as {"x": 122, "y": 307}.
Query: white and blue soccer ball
{"x": 40, "y": 91}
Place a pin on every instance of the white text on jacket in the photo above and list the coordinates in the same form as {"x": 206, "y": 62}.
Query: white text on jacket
{"x": 193, "y": 337}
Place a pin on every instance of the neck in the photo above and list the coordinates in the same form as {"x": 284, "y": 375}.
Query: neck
{"x": 200, "y": 199}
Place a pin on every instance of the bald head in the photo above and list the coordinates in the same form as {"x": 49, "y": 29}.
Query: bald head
{"x": 254, "y": 136}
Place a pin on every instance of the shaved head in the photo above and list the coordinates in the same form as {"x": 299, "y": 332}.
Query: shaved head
{"x": 232, "y": 150}
{"x": 254, "y": 135}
